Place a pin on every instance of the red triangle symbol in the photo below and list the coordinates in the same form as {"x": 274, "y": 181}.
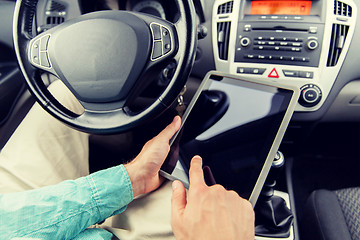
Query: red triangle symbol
{"x": 273, "y": 74}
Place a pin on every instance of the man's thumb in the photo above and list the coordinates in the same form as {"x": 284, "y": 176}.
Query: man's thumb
{"x": 178, "y": 199}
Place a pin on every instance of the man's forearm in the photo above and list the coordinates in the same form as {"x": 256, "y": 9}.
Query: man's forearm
{"x": 64, "y": 210}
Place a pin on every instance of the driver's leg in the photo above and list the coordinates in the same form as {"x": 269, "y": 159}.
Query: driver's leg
{"x": 148, "y": 217}
{"x": 43, "y": 151}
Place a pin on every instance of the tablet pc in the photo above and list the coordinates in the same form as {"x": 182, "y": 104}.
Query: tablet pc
{"x": 236, "y": 125}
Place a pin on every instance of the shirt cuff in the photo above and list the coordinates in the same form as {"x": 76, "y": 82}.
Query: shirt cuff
{"x": 111, "y": 190}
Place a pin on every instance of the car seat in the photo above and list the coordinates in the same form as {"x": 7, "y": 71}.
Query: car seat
{"x": 332, "y": 215}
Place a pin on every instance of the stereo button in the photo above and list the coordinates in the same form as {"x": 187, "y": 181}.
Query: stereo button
{"x": 256, "y": 71}
{"x": 302, "y": 59}
{"x": 260, "y": 42}
{"x": 247, "y": 28}
{"x": 294, "y": 39}
{"x": 306, "y": 74}
{"x": 241, "y": 70}
{"x": 290, "y": 73}
{"x": 312, "y": 44}
{"x": 313, "y": 30}
{"x": 245, "y": 41}
{"x": 249, "y": 56}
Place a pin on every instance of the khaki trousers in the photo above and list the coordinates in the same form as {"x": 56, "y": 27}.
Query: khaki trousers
{"x": 43, "y": 151}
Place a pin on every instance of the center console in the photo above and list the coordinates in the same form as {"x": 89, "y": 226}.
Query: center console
{"x": 301, "y": 43}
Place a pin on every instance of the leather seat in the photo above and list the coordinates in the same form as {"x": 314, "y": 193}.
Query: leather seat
{"x": 332, "y": 215}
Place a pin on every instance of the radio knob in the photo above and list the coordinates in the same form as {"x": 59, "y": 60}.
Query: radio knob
{"x": 310, "y": 95}
{"x": 245, "y": 41}
{"x": 312, "y": 44}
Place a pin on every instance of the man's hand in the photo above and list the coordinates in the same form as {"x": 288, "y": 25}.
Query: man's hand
{"x": 144, "y": 169}
{"x": 209, "y": 212}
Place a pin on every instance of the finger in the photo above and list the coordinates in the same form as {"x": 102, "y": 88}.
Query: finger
{"x": 196, "y": 174}
{"x": 178, "y": 199}
{"x": 171, "y": 129}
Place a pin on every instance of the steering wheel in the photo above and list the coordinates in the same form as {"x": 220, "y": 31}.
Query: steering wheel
{"x": 103, "y": 58}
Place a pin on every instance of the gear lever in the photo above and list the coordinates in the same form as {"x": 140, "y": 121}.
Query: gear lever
{"x": 272, "y": 217}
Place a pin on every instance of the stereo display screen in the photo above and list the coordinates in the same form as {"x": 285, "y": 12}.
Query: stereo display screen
{"x": 280, "y": 7}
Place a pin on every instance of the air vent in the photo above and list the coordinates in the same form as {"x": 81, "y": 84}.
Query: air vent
{"x": 342, "y": 9}
{"x": 226, "y": 7}
{"x": 223, "y": 33}
{"x": 54, "y": 6}
{"x": 338, "y": 37}
{"x": 55, "y": 14}
{"x": 55, "y": 20}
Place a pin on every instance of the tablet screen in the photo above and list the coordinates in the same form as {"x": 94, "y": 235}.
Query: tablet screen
{"x": 234, "y": 126}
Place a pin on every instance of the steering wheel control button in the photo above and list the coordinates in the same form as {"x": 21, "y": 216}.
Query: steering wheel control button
{"x": 36, "y": 45}
{"x": 162, "y": 44}
{"x": 35, "y": 53}
{"x": 156, "y": 31}
{"x": 44, "y": 61}
{"x": 164, "y": 32}
{"x": 157, "y": 50}
{"x": 38, "y": 52}
{"x": 310, "y": 95}
{"x": 166, "y": 40}
{"x": 44, "y": 43}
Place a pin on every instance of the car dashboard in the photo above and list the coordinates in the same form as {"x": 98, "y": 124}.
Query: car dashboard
{"x": 308, "y": 44}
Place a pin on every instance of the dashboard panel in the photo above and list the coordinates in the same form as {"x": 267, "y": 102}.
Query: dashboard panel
{"x": 53, "y": 12}
{"x": 301, "y": 43}
{"x": 311, "y": 44}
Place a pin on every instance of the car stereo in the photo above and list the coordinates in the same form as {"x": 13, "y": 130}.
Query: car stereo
{"x": 280, "y": 32}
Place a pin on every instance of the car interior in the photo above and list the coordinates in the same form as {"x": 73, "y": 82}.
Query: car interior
{"x": 162, "y": 50}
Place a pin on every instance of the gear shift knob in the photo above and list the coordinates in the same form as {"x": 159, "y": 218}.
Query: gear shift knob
{"x": 273, "y": 217}
{"x": 276, "y": 168}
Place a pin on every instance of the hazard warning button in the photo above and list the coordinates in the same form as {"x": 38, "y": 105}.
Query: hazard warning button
{"x": 273, "y": 74}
